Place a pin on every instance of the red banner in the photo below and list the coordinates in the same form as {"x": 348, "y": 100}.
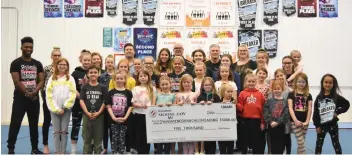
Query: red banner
{"x": 307, "y": 8}
{"x": 94, "y": 8}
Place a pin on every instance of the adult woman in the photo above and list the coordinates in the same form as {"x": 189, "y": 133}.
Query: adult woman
{"x": 163, "y": 65}
{"x": 244, "y": 63}
{"x": 48, "y": 71}
{"x": 97, "y": 60}
{"x": 287, "y": 66}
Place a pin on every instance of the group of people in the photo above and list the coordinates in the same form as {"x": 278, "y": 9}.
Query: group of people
{"x": 112, "y": 101}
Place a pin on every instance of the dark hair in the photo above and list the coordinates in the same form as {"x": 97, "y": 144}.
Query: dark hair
{"x": 93, "y": 67}
{"x": 201, "y": 51}
{"x": 126, "y": 45}
{"x": 335, "y": 87}
{"x": 158, "y": 67}
{"x": 289, "y": 57}
{"x": 26, "y": 40}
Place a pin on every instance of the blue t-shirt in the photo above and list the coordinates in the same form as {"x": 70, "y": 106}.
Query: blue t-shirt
{"x": 165, "y": 98}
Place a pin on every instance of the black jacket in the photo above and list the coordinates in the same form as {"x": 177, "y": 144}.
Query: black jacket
{"x": 78, "y": 74}
{"x": 208, "y": 97}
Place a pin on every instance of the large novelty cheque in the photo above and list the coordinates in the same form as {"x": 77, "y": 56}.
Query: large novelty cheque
{"x": 187, "y": 123}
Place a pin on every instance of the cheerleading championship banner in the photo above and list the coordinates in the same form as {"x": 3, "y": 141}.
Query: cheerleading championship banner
{"x": 197, "y": 38}
{"x": 168, "y": 37}
{"x": 224, "y": 37}
{"x": 289, "y": 7}
{"x": 307, "y": 8}
{"x": 52, "y": 8}
{"x": 253, "y": 39}
{"x": 111, "y": 7}
{"x": 145, "y": 40}
{"x": 121, "y": 37}
{"x": 271, "y": 10}
{"x": 271, "y": 42}
{"x": 149, "y": 9}
{"x": 328, "y": 8}
{"x": 73, "y": 8}
{"x": 247, "y": 10}
{"x": 129, "y": 12}
{"x": 172, "y": 13}
{"x": 94, "y": 8}
{"x": 223, "y": 13}
{"x": 198, "y": 13}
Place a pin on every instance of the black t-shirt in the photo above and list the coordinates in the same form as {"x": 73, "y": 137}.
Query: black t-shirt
{"x": 289, "y": 83}
{"x": 155, "y": 80}
{"x": 94, "y": 96}
{"x": 120, "y": 101}
{"x": 212, "y": 67}
{"x": 241, "y": 70}
{"x": 28, "y": 72}
{"x": 300, "y": 105}
{"x": 175, "y": 81}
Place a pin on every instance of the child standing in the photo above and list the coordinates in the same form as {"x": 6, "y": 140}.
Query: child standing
{"x": 297, "y": 63}
{"x": 208, "y": 95}
{"x": 300, "y": 107}
{"x": 262, "y": 85}
{"x": 93, "y": 98}
{"x": 226, "y": 91}
{"x": 199, "y": 71}
{"x": 119, "y": 107}
{"x": 79, "y": 76}
{"x": 164, "y": 97}
{"x": 328, "y": 105}
{"x": 178, "y": 65}
{"x": 276, "y": 117}
{"x": 143, "y": 95}
{"x": 250, "y": 105}
{"x": 60, "y": 96}
{"x": 186, "y": 96}
{"x": 226, "y": 76}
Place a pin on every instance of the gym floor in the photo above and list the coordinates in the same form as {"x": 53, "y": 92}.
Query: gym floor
{"x": 23, "y": 142}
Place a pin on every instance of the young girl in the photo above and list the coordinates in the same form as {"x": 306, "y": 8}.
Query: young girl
{"x": 226, "y": 76}
{"x": 186, "y": 96}
{"x": 164, "y": 97}
{"x": 163, "y": 65}
{"x": 262, "y": 86}
{"x": 328, "y": 105}
{"x": 208, "y": 95}
{"x": 143, "y": 95}
{"x": 178, "y": 71}
{"x": 137, "y": 67}
{"x": 97, "y": 60}
{"x": 300, "y": 106}
{"x": 199, "y": 71}
{"x": 60, "y": 96}
{"x": 226, "y": 91}
{"x": 276, "y": 117}
{"x": 78, "y": 75}
{"x": 297, "y": 63}
{"x": 262, "y": 59}
{"x": 92, "y": 100}
{"x": 123, "y": 66}
{"x": 226, "y": 60}
{"x": 250, "y": 104}
{"x": 119, "y": 107}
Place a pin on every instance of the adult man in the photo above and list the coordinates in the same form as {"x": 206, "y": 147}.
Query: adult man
{"x": 130, "y": 54}
{"x": 148, "y": 63}
{"x": 178, "y": 51}
{"x": 28, "y": 77}
{"x": 214, "y": 63}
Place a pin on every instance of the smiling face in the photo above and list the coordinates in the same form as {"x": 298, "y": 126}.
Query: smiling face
{"x": 198, "y": 57}
{"x": 243, "y": 52}
{"x": 280, "y": 76}
{"x": 296, "y": 57}
{"x": 165, "y": 85}
{"x": 62, "y": 67}
{"x": 86, "y": 60}
{"x": 287, "y": 64}
{"x": 261, "y": 60}
{"x": 261, "y": 75}
{"x": 228, "y": 92}
{"x": 137, "y": 65}
{"x": 251, "y": 82}
{"x": 214, "y": 52}
{"x": 224, "y": 72}
{"x": 164, "y": 56}
{"x": 93, "y": 74}
{"x": 199, "y": 70}
{"x": 143, "y": 78}
{"x": 123, "y": 67}
{"x": 27, "y": 49}
{"x": 187, "y": 84}
{"x": 129, "y": 52}
{"x": 178, "y": 66}
{"x": 148, "y": 63}
{"x": 328, "y": 83}
{"x": 96, "y": 60}
{"x": 208, "y": 86}
{"x": 226, "y": 61}
{"x": 55, "y": 55}
{"x": 109, "y": 63}
{"x": 178, "y": 50}
{"x": 120, "y": 79}
{"x": 301, "y": 83}
{"x": 277, "y": 90}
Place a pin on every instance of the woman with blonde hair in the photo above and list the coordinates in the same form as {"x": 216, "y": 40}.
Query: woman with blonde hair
{"x": 123, "y": 65}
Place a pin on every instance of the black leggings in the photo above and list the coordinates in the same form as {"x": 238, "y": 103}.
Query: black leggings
{"x": 277, "y": 139}
{"x": 288, "y": 143}
{"x": 333, "y": 130}
{"x": 252, "y": 135}
{"x": 107, "y": 129}
{"x": 141, "y": 134}
{"x": 76, "y": 120}
{"x": 47, "y": 120}
{"x": 226, "y": 147}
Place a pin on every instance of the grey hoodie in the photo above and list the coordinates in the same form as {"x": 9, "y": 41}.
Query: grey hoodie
{"x": 276, "y": 110}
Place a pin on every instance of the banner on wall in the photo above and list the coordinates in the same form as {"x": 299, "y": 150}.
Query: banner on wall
{"x": 52, "y": 8}
{"x": 149, "y": 9}
{"x": 172, "y": 13}
{"x": 223, "y": 13}
{"x": 145, "y": 40}
{"x": 107, "y": 37}
{"x": 289, "y": 7}
{"x": 121, "y": 37}
{"x": 271, "y": 38}
{"x": 167, "y": 37}
{"x": 111, "y": 7}
{"x": 247, "y": 11}
{"x": 307, "y": 8}
{"x": 253, "y": 39}
{"x": 94, "y": 8}
{"x": 271, "y": 10}
{"x": 73, "y": 8}
{"x": 328, "y": 8}
{"x": 197, "y": 13}
{"x": 196, "y": 38}
{"x": 129, "y": 12}
{"x": 225, "y": 38}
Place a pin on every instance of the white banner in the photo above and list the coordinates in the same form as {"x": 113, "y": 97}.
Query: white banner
{"x": 172, "y": 13}
{"x": 167, "y": 37}
{"x": 223, "y": 13}
{"x": 196, "y": 38}
{"x": 225, "y": 37}
{"x": 198, "y": 13}
{"x": 188, "y": 123}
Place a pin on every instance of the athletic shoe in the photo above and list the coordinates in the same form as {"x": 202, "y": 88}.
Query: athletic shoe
{"x": 37, "y": 151}
{"x": 11, "y": 151}
{"x": 133, "y": 151}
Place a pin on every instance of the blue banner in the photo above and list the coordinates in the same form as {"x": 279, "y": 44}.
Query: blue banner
{"x": 73, "y": 8}
{"x": 52, "y": 8}
{"x": 328, "y": 8}
{"x": 145, "y": 40}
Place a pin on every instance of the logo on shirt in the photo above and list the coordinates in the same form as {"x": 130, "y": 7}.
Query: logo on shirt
{"x": 251, "y": 99}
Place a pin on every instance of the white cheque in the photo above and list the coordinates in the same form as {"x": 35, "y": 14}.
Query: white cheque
{"x": 187, "y": 123}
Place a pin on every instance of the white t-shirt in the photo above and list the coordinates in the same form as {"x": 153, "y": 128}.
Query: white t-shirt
{"x": 197, "y": 86}
{"x": 140, "y": 95}
{"x": 218, "y": 85}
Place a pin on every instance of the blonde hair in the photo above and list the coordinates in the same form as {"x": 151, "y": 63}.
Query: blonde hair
{"x": 295, "y": 51}
{"x": 249, "y": 74}
{"x": 122, "y": 73}
{"x": 55, "y": 49}
{"x": 84, "y": 53}
{"x": 112, "y": 57}
{"x": 238, "y": 51}
{"x": 56, "y": 70}
{"x": 178, "y": 58}
{"x": 266, "y": 55}
{"x": 124, "y": 61}
{"x": 213, "y": 89}
{"x": 306, "y": 88}
{"x": 223, "y": 88}
{"x": 184, "y": 77}
{"x": 277, "y": 83}
{"x": 200, "y": 64}
{"x": 165, "y": 78}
